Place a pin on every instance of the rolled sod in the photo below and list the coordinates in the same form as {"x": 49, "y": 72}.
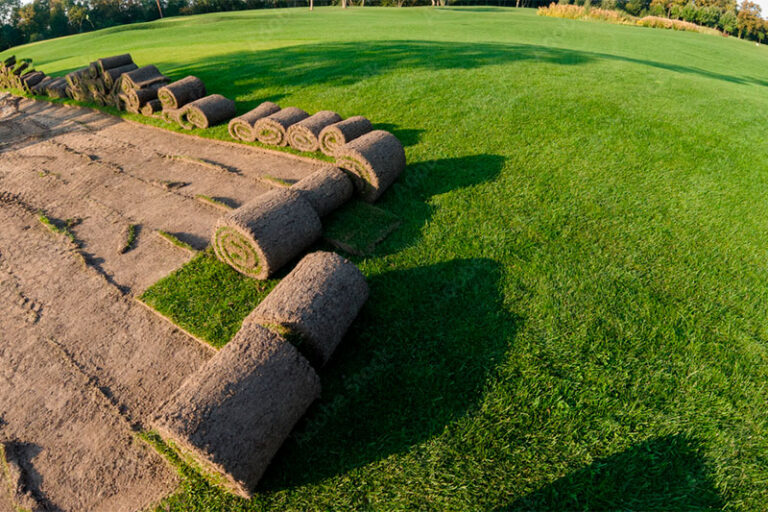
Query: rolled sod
{"x": 56, "y": 88}
{"x": 375, "y": 159}
{"x": 264, "y": 234}
{"x": 142, "y": 77}
{"x": 111, "y": 75}
{"x": 235, "y": 412}
{"x": 40, "y": 88}
{"x": 113, "y": 62}
{"x": 272, "y": 129}
{"x": 181, "y": 92}
{"x": 21, "y": 67}
{"x": 335, "y": 136}
{"x": 75, "y": 78}
{"x": 32, "y": 79}
{"x": 317, "y": 301}
{"x": 10, "y": 61}
{"x": 241, "y": 127}
{"x": 207, "y": 112}
{"x": 151, "y": 108}
{"x": 171, "y": 116}
{"x": 304, "y": 134}
{"x": 137, "y": 98}
{"x": 326, "y": 189}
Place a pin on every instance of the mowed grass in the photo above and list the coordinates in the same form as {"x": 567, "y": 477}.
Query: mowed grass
{"x": 573, "y": 313}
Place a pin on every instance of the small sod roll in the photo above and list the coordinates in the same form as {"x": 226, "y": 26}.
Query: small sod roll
{"x": 207, "y": 112}
{"x": 316, "y": 303}
{"x": 375, "y": 160}
{"x": 151, "y": 108}
{"x": 326, "y": 189}
{"x": 181, "y": 92}
{"x": 272, "y": 129}
{"x": 137, "y": 98}
{"x": 304, "y": 134}
{"x": 261, "y": 236}
{"x": 335, "y": 136}
{"x": 235, "y": 412}
{"x": 142, "y": 77}
{"x": 241, "y": 127}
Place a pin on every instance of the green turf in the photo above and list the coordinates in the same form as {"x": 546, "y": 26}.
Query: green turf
{"x": 579, "y": 286}
{"x": 358, "y": 227}
{"x": 207, "y": 298}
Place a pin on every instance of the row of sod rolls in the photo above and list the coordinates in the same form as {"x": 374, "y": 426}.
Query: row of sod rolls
{"x": 21, "y": 75}
{"x": 234, "y": 413}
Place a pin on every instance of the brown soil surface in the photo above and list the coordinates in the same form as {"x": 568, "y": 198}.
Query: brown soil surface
{"x": 83, "y": 365}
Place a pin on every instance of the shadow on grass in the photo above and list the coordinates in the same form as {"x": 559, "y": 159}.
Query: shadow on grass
{"x": 666, "y": 473}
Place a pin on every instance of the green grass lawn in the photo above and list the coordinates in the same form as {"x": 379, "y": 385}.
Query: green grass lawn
{"x": 573, "y": 313}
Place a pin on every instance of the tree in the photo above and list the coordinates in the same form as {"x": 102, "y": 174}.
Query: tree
{"x": 689, "y": 12}
{"x": 728, "y": 22}
{"x": 748, "y": 18}
{"x": 7, "y": 7}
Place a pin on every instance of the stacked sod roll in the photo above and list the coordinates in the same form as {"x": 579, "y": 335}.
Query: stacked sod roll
{"x": 374, "y": 160}
{"x": 335, "y": 136}
{"x": 242, "y": 127}
{"x": 206, "y": 112}
{"x": 261, "y": 236}
{"x": 303, "y": 135}
{"x": 232, "y": 415}
{"x": 272, "y": 129}
{"x": 140, "y": 86}
{"x": 177, "y": 94}
{"x": 19, "y": 74}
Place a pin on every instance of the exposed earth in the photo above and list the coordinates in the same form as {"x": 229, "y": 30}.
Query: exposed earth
{"x": 82, "y": 360}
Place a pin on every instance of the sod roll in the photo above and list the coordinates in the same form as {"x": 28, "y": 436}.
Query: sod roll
{"x": 241, "y": 127}
{"x": 272, "y": 129}
{"x": 207, "y": 112}
{"x": 111, "y": 75}
{"x": 181, "y": 92}
{"x": 172, "y": 115}
{"x": 316, "y": 303}
{"x": 56, "y": 88}
{"x": 263, "y": 235}
{"x": 137, "y": 98}
{"x": 304, "y": 134}
{"x": 10, "y": 61}
{"x": 375, "y": 160}
{"x": 326, "y": 189}
{"x": 142, "y": 77}
{"x": 151, "y": 108}
{"x": 40, "y": 88}
{"x": 337, "y": 135}
{"x": 113, "y": 62}
{"x": 235, "y": 412}
{"x": 32, "y": 79}
{"x": 75, "y": 78}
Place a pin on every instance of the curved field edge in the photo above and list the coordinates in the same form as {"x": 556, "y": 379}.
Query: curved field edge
{"x": 572, "y": 314}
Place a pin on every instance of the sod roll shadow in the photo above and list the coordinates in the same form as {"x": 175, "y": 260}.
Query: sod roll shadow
{"x": 235, "y": 412}
{"x": 304, "y": 134}
{"x": 326, "y": 189}
{"x": 263, "y": 235}
{"x": 375, "y": 159}
{"x": 272, "y": 129}
{"x": 181, "y": 92}
{"x": 242, "y": 127}
{"x": 317, "y": 301}
{"x": 335, "y": 136}
{"x": 207, "y": 112}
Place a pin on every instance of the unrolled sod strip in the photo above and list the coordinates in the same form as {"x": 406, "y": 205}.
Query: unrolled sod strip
{"x": 272, "y": 129}
{"x": 113, "y": 62}
{"x": 326, "y": 189}
{"x": 241, "y": 127}
{"x": 181, "y": 92}
{"x": 318, "y": 301}
{"x": 337, "y": 135}
{"x": 304, "y": 134}
{"x": 263, "y": 235}
{"x": 142, "y": 77}
{"x": 207, "y": 112}
{"x": 151, "y": 108}
{"x": 375, "y": 160}
{"x": 235, "y": 412}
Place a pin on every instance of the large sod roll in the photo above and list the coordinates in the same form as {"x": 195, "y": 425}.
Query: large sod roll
{"x": 304, "y": 134}
{"x": 337, "y": 135}
{"x": 181, "y": 92}
{"x": 113, "y": 62}
{"x": 235, "y": 412}
{"x": 241, "y": 127}
{"x": 272, "y": 129}
{"x": 142, "y": 77}
{"x": 111, "y": 75}
{"x": 263, "y": 235}
{"x": 376, "y": 160}
{"x": 316, "y": 303}
{"x": 207, "y": 112}
{"x": 326, "y": 189}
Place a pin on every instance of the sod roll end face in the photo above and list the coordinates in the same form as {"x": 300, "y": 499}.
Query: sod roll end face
{"x": 206, "y": 112}
{"x": 235, "y": 412}
{"x": 263, "y": 235}
{"x": 335, "y": 136}
{"x": 318, "y": 300}
{"x": 326, "y": 190}
{"x": 242, "y": 127}
{"x": 272, "y": 129}
{"x": 303, "y": 135}
{"x": 375, "y": 160}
